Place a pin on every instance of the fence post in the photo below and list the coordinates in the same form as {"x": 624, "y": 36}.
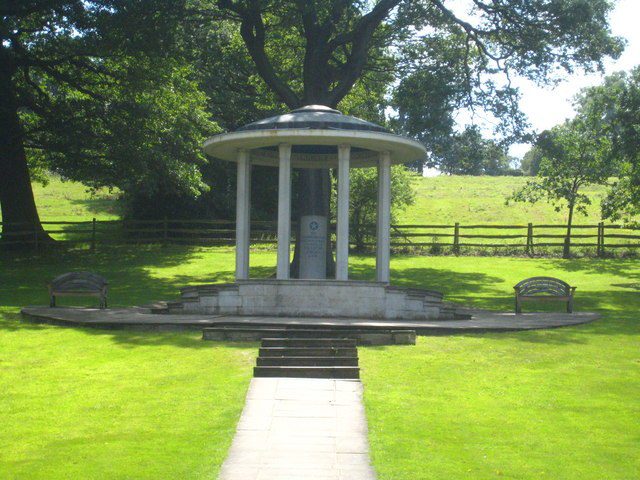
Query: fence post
{"x": 165, "y": 230}
{"x": 93, "y": 234}
{"x": 601, "y": 239}
{"x": 456, "y": 239}
{"x": 529, "y": 249}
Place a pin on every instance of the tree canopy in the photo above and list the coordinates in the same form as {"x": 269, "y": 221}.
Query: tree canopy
{"x": 117, "y": 91}
{"x": 468, "y": 153}
{"x": 572, "y": 157}
{"x": 612, "y": 111}
{"x": 96, "y": 91}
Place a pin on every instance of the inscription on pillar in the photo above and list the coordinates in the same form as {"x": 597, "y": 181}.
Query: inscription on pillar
{"x": 313, "y": 246}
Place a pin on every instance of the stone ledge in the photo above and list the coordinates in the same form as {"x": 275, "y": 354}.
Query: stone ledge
{"x": 314, "y": 298}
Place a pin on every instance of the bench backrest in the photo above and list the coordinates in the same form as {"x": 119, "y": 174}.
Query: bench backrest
{"x": 543, "y": 286}
{"x": 78, "y": 282}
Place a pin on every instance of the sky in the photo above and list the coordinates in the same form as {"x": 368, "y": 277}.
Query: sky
{"x": 547, "y": 106}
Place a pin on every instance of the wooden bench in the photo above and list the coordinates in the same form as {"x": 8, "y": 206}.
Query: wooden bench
{"x": 76, "y": 284}
{"x": 544, "y": 289}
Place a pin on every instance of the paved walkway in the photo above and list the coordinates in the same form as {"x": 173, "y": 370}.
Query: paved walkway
{"x": 300, "y": 429}
{"x": 139, "y": 317}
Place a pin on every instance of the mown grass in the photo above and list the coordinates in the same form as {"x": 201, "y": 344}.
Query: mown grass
{"x": 443, "y": 199}
{"x": 481, "y": 200}
{"x": 559, "y": 404}
{"x": 95, "y": 404}
{"x": 71, "y": 201}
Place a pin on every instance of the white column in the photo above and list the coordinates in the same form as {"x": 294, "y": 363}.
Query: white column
{"x": 284, "y": 212}
{"x": 342, "y": 227}
{"x": 243, "y": 215}
{"x": 384, "y": 218}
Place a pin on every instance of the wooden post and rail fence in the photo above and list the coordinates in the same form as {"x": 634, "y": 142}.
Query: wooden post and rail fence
{"x": 459, "y": 238}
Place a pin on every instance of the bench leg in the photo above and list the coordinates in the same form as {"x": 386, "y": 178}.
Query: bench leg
{"x": 518, "y": 306}
{"x": 570, "y": 306}
{"x": 52, "y": 301}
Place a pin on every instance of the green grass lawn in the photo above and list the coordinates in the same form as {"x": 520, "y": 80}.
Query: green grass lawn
{"x": 559, "y": 404}
{"x": 72, "y": 201}
{"x": 443, "y": 199}
{"x": 473, "y": 200}
{"x": 97, "y": 404}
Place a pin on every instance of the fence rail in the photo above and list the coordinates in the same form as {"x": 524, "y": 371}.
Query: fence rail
{"x": 457, "y": 237}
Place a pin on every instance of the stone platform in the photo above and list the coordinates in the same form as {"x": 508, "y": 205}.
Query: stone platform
{"x": 140, "y": 318}
{"x": 312, "y": 298}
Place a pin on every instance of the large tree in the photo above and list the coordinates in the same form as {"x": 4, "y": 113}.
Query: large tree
{"x": 468, "y": 153}
{"x": 92, "y": 90}
{"x": 530, "y": 163}
{"x": 315, "y": 51}
{"x": 612, "y": 110}
{"x": 573, "y": 157}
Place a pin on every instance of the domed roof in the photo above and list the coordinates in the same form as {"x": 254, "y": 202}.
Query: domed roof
{"x": 316, "y": 117}
{"x": 314, "y": 132}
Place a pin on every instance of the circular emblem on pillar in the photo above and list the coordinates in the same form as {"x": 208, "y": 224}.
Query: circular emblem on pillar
{"x": 313, "y": 226}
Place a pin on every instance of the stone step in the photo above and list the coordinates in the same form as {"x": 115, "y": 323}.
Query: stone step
{"x": 307, "y": 372}
{"x": 308, "y": 342}
{"x": 307, "y": 361}
{"x": 363, "y": 335}
{"x": 308, "y": 352}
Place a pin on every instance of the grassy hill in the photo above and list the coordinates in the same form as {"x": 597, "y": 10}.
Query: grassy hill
{"x": 440, "y": 200}
{"x": 72, "y": 201}
{"x": 467, "y": 199}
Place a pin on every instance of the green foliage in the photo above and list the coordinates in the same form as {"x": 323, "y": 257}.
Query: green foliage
{"x": 572, "y": 157}
{"x": 613, "y": 111}
{"x": 530, "y": 164}
{"x": 110, "y": 95}
{"x": 467, "y": 153}
{"x": 457, "y": 57}
{"x": 363, "y": 200}
{"x": 142, "y": 136}
{"x": 106, "y": 97}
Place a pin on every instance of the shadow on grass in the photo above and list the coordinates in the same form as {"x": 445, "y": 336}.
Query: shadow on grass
{"x": 627, "y": 268}
{"x": 185, "y": 339}
{"x": 12, "y": 322}
{"x": 104, "y": 204}
{"x": 129, "y": 270}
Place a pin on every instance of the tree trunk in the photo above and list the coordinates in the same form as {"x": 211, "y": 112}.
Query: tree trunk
{"x": 21, "y": 227}
{"x": 315, "y": 188}
{"x": 566, "y": 251}
{"x": 314, "y": 198}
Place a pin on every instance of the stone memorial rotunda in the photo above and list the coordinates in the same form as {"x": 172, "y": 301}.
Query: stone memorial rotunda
{"x": 318, "y": 137}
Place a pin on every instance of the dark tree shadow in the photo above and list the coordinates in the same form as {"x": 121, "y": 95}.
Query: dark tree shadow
{"x": 129, "y": 270}
{"x": 23, "y": 280}
{"x": 100, "y": 205}
{"x": 627, "y": 268}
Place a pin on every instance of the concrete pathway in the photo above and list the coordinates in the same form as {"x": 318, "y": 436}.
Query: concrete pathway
{"x": 138, "y": 317}
{"x": 300, "y": 429}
